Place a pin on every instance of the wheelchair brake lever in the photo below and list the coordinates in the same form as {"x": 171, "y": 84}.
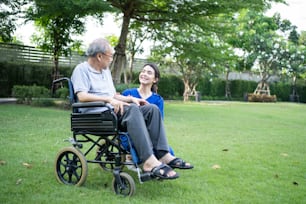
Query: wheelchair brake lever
{"x": 71, "y": 140}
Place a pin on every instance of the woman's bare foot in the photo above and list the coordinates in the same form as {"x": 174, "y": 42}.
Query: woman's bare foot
{"x": 167, "y": 158}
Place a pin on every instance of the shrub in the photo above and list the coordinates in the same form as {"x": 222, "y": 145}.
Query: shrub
{"x": 62, "y": 93}
{"x": 170, "y": 87}
{"x": 25, "y": 94}
{"x": 12, "y": 74}
{"x": 282, "y": 90}
{"x": 217, "y": 88}
{"x": 43, "y": 102}
{"x": 121, "y": 87}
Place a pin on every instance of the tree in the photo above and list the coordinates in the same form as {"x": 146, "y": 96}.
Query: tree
{"x": 165, "y": 15}
{"x": 10, "y": 11}
{"x": 138, "y": 10}
{"x": 198, "y": 43}
{"x": 59, "y": 20}
{"x": 294, "y": 64}
{"x": 192, "y": 57}
{"x": 258, "y": 36}
{"x": 302, "y": 38}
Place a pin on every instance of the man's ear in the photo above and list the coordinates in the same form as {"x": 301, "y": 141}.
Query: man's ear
{"x": 99, "y": 56}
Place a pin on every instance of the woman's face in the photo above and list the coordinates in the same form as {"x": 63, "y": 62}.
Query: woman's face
{"x": 147, "y": 75}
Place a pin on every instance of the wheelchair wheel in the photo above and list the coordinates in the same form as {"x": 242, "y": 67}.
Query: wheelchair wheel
{"x": 128, "y": 185}
{"x": 71, "y": 167}
{"x": 107, "y": 153}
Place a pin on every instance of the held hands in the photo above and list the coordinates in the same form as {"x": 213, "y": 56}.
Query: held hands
{"x": 119, "y": 104}
{"x": 138, "y": 101}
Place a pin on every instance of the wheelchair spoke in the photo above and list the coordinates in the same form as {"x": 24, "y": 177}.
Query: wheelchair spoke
{"x": 76, "y": 175}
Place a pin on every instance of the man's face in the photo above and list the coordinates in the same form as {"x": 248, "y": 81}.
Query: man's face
{"x": 105, "y": 59}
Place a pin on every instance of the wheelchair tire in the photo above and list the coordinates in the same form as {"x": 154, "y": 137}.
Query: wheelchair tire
{"x": 106, "y": 153}
{"x": 128, "y": 187}
{"x": 70, "y": 166}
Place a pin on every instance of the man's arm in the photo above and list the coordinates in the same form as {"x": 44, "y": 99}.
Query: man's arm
{"x": 130, "y": 99}
{"x": 87, "y": 97}
{"x": 117, "y": 104}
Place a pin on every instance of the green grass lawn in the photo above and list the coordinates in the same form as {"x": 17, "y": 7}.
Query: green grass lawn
{"x": 242, "y": 153}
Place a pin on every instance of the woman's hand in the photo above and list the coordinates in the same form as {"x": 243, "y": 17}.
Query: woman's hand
{"x": 139, "y": 101}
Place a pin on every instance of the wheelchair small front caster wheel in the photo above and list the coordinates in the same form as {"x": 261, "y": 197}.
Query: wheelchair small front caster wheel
{"x": 126, "y": 187}
{"x": 70, "y": 167}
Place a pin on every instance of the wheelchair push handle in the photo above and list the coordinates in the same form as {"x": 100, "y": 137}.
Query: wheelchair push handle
{"x": 60, "y": 80}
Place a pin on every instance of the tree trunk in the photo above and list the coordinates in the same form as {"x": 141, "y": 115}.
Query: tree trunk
{"x": 130, "y": 69}
{"x": 54, "y": 74}
{"x": 186, "y": 90}
{"x": 227, "y": 86}
{"x": 119, "y": 62}
{"x": 294, "y": 92}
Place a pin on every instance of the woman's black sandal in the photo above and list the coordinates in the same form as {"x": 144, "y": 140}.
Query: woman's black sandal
{"x": 179, "y": 163}
{"x": 161, "y": 172}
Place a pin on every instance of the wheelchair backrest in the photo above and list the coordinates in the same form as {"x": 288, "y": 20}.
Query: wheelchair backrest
{"x": 72, "y": 97}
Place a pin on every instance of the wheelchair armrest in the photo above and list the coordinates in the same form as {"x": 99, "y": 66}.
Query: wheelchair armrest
{"x": 95, "y": 123}
{"x": 90, "y": 105}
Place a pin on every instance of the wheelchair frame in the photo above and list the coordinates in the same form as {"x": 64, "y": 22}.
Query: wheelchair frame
{"x": 101, "y": 130}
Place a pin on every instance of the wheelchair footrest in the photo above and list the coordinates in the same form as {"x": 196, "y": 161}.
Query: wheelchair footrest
{"x": 146, "y": 176}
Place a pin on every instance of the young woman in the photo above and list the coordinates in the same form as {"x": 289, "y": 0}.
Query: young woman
{"x": 148, "y": 79}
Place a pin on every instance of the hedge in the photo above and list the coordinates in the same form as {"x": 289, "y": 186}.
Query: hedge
{"x": 26, "y": 74}
{"x": 170, "y": 86}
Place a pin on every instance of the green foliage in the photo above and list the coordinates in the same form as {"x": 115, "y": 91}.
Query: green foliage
{"x": 204, "y": 86}
{"x": 10, "y": 11}
{"x": 25, "y": 94}
{"x": 62, "y": 93}
{"x": 301, "y": 91}
{"x": 261, "y": 38}
{"x": 43, "y": 102}
{"x": 240, "y": 87}
{"x": 121, "y": 87}
{"x": 170, "y": 87}
{"x": 282, "y": 90}
{"x": 26, "y": 74}
{"x": 217, "y": 87}
{"x": 59, "y": 21}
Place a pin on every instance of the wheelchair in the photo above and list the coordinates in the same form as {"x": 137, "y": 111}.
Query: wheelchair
{"x": 101, "y": 132}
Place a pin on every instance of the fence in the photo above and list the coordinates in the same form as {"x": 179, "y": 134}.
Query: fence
{"x": 22, "y": 54}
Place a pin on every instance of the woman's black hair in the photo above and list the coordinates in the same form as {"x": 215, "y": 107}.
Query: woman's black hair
{"x": 156, "y": 75}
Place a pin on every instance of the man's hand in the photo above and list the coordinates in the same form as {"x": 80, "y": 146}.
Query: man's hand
{"x": 118, "y": 105}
